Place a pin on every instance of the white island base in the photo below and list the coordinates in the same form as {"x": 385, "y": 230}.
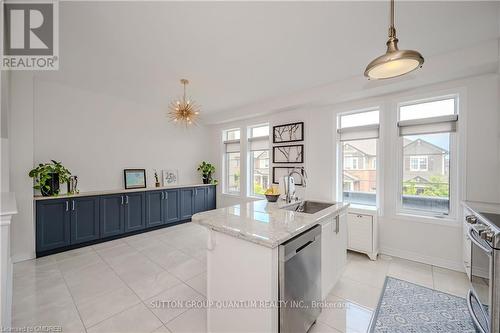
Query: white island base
{"x": 243, "y": 260}
{"x": 241, "y": 272}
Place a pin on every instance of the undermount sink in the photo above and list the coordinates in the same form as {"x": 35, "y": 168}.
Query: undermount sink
{"x": 308, "y": 207}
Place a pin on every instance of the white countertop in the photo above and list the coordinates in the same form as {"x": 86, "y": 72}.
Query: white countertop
{"x": 92, "y": 193}
{"x": 263, "y": 222}
{"x": 7, "y": 204}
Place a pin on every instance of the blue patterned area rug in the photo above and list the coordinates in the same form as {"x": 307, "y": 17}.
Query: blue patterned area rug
{"x": 405, "y": 307}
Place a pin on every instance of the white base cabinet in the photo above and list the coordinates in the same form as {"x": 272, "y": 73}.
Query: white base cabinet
{"x": 333, "y": 251}
{"x": 363, "y": 232}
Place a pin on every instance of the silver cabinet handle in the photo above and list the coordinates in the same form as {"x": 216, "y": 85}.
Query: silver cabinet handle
{"x": 337, "y": 224}
{"x": 122, "y": 200}
{"x": 72, "y": 204}
{"x": 162, "y": 196}
{"x": 166, "y": 195}
{"x": 126, "y": 200}
{"x": 67, "y": 205}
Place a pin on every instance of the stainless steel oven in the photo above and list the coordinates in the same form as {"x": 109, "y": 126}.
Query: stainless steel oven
{"x": 483, "y": 298}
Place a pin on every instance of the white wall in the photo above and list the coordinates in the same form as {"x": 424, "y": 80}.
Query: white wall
{"x": 412, "y": 238}
{"x": 96, "y": 136}
{"x": 4, "y": 130}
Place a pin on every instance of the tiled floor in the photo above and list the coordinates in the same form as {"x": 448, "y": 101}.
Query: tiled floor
{"x": 113, "y": 286}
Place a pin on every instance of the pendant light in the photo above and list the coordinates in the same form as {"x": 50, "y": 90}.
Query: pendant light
{"x": 184, "y": 110}
{"x": 394, "y": 62}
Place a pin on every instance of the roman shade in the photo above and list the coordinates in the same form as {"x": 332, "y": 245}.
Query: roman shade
{"x": 359, "y": 132}
{"x": 258, "y": 143}
{"x": 232, "y": 146}
{"x": 441, "y": 124}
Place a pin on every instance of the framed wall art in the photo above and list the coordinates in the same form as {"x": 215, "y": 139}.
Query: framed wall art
{"x": 288, "y": 154}
{"x": 280, "y": 172}
{"x": 288, "y": 133}
{"x": 170, "y": 177}
{"x": 134, "y": 178}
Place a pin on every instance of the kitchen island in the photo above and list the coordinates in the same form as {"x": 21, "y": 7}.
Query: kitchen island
{"x": 243, "y": 260}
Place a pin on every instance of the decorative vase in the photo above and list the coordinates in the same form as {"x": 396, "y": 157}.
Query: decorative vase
{"x": 53, "y": 183}
{"x": 157, "y": 184}
{"x": 207, "y": 179}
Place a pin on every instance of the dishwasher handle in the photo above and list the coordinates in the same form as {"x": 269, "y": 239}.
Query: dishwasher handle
{"x": 300, "y": 248}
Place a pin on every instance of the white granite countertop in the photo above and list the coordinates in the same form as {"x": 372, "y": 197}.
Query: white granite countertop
{"x": 92, "y": 193}
{"x": 262, "y": 222}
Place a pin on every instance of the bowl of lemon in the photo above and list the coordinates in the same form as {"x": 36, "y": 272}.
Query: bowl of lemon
{"x": 272, "y": 194}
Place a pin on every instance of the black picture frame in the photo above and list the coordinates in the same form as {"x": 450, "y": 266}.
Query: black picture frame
{"x": 281, "y": 148}
{"x": 277, "y": 128}
{"x": 289, "y": 169}
{"x": 129, "y": 186}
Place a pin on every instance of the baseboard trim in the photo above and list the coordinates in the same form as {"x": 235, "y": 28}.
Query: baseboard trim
{"x": 22, "y": 257}
{"x": 409, "y": 255}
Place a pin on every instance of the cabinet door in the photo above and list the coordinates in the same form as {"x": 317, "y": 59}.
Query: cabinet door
{"x": 186, "y": 196}
{"x": 52, "y": 224}
{"x": 135, "y": 215}
{"x": 111, "y": 215}
{"x": 328, "y": 274}
{"x": 84, "y": 219}
{"x": 200, "y": 199}
{"x": 172, "y": 203}
{"x": 211, "y": 197}
{"x": 360, "y": 232}
{"x": 155, "y": 207}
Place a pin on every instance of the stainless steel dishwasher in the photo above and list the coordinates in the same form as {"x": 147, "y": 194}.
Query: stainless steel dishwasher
{"x": 300, "y": 281}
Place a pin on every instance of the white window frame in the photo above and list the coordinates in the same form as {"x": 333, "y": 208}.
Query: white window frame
{"x": 419, "y": 159}
{"x": 453, "y": 167}
{"x": 225, "y": 161}
{"x": 340, "y": 157}
{"x": 250, "y": 165}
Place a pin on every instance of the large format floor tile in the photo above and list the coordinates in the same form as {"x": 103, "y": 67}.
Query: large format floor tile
{"x": 119, "y": 286}
{"x": 137, "y": 319}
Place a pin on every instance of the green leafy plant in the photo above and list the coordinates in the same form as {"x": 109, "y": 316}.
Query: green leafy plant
{"x": 44, "y": 173}
{"x": 206, "y": 170}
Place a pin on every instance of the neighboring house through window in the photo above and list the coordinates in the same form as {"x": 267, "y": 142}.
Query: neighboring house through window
{"x": 358, "y": 133}
{"x": 258, "y": 151}
{"x": 426, "y": 129}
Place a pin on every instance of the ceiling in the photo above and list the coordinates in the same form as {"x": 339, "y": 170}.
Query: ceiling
{"x": 238, "y": 53}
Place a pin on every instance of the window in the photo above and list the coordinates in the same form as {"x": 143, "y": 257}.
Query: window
{"x": 231, "y": 139}
{"x": 258, "y": 150}
{"x": 358, "y": 133}
{"x": 419, "y": 163}
{"x": 427, "y": 130}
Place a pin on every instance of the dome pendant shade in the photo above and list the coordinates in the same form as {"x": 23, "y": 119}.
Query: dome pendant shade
{"x": 394, "y": 62}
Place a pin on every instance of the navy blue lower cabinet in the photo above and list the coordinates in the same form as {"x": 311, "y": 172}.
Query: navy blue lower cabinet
{"x": 111, "y": 211}
{"x": 211, "y": 197}
{"x": 172, "y": 206}
{"x": 135, "y": 211}
{"x": 84, "y": 219}
{"x": 155, "y": 208}
{"x": 52, "y": 224}
{"x": 187, "y": 203}
{"x": 200, "y": 199}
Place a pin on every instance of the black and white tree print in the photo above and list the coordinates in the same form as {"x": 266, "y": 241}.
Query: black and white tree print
{"x": 289, "y": 154}
{"x": 287, "y": 133}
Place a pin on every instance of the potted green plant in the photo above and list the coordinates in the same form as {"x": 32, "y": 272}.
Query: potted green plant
{"x": 207, "y": 171}
{"x": 48, "y": 177}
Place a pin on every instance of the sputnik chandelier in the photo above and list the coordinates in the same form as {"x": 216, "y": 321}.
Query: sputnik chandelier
{"x": 184, "y": 110}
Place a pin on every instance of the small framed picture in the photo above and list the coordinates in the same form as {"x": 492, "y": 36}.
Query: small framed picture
{"x": 170, "y": 177}
{"x": 288, "y": 133}
{"x": 134, "y": 178}
{"x": 280, "y": 172}
{"x": 288, "y": 154}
